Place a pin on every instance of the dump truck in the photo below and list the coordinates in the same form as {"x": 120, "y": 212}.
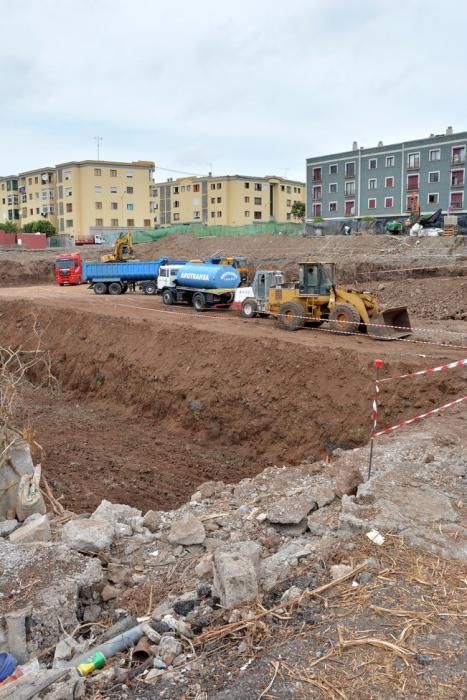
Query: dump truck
{"x": 199, "y": 284}
{"x": 316, "y": 298}
{"x": 116, "y": 278}
{"x": 68, "y": 269}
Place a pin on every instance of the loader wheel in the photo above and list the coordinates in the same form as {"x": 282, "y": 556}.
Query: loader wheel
{"x": 167, "y": 297}
{"x": 249, "y": 308}
{"x": 344, "y": 318}
{"x": 198, "y": 301}
{"x": 291, "y": 316}
{"x": 100, "y": 288}
{"x": 115, "y": 288}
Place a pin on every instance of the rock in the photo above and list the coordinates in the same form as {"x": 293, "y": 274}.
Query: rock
{"x": 291, "y": 593}
{"x": 154, "y": 675}
{"x": 203, "y": 568}
{"x": 153, "y": 520}
{"x": 36, "y": 529}
{"x": 429, "y": 458}
{"x": 188, "y": 530}
{"x": 65, "y": 650}
{"x": 7, "y": 527}
{"x": 92, "y": 535}
{"x": 236, "y": 569}
{"x": 109, "y": 593}
{"x": 183, "y": 629}
{"x": 158, "y": 663}
{"x": 183, "y": 607}
{"x": 338, "y": 570}
{"x": 208, "y": 489}
{"x": 119, "y": 514}
{"x": 163, "y": 609}
{"x": 92, "y": 613}
{"x": 160, "y": 627}
{"x": 275, "y": 568}
{"x": 118, "y": 574}
{"x": 292, "y": 530}
{"x": 169, "y": 649}
{"x": 324, "y": 495}
{"x": 152, "y": 634}
{"x": 291, "y": 510}
{"x": 348, "y": 481}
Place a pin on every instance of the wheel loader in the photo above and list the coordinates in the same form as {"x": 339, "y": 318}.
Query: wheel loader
{"x": 316, "y": 299}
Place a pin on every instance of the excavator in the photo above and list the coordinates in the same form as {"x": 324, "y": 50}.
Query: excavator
{"x": 316, "y": 298}
{"x": 122, "y": 251}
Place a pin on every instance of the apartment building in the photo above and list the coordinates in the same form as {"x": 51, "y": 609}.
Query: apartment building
{"x": 384, "y": 181}
{"x": 9, "y": 199}
{"x": 229, "y": 200}
{"x": 37, "y": 197}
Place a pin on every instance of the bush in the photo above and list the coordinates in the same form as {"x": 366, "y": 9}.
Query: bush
{"x": 40, "y": 226}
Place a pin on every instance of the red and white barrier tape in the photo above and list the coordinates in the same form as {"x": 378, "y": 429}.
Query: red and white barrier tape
{"x": 441, "y": 368}
{"x": 417, "y": 418}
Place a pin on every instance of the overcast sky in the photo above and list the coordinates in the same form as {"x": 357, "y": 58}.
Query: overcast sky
{"x": 249, "y": 87}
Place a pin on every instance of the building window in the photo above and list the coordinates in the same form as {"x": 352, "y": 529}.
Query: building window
{"x": 213, "y": 200}
{"x": 182, "y": 188}
{"x": 69, "y": 207}
{"x": 213, "y": 214}
{"x": 317, "y": 192}
{"x": 29, "y": 180}
{"x": 36, "y": 180}
{"x": 349, "y": 189}
{"x": 129, "y": 174}
{"x": 246, "y": 213}
{"x": 98, "y": 205}
{"x": 316, "y": 175}
{"x": 433, "y": 176}
{"x": 219, "y": 185}
{"x": 97, "y": 172}
{"x": 30, "y": 194}
{"x": 219, "y": 214}
{"x": 176, "y": 217}
{"x": 258, "y": 187}
{"x": 113, "y": 173}
{"x": 412, "y": 202}
{"x": 219, "y": 200}
{"x": 435, "y": 154}
{"x": 247, "y": 185}
{"x": 389, "y": 182}
{"x": 333, "y": 169}
{"x": 113, "y": 190}
{"x": 350, "y": 169}
{"x": 247, "y": 200}
{"x": 97, "y": 188}
{"x": 388, "y": 202}
{"x": 288, "y": 203}
{"x": 66, "y": 175}
{"x": 317, "y": 210}
{"x": 130, "y": 222}
{"x": 114, "y": 222}
{"x": 288, "y": 189}
{"x": 257, "y": 215}
{"x": 129, "y": 190}
{"x": 458, "y": 155}
{"x": 372, "y": 163}
{"x": 196, "y": 215}
{"x": 114, "y": 205}
{"x": 99, "y": 222}
{"x": 433, "y": 198}
{"x": 390, "y": 161}
{"x": 457, "y": 200}
{"x": 213, "y": 185}
{"x": 69, "y": 223}
{"x": 332, "y": 207}
{"x": 258, "y": 201}
{"x": 188, "y": 189}
{"x": 372, "y": 183}
{"x": 31, "y": 212}
{"x": 130, "y": 206}
{"x": 350, "y": 208}
{"x": 332, "y": 187}
{"x": 372, "y": 204}
{"x": 282, "y": 188}
{"x": 176, "y": 203}
{"x": 196, "y": 188}
{"x": 176, "y": 190}
{"x": 413, "y": 160}
{"x": 457, "y": 178}
{"x": 412, "y": 182}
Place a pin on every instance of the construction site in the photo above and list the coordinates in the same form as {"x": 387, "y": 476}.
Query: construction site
{"x": 215, "y": 505}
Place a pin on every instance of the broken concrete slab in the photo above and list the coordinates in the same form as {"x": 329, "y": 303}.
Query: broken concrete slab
{"x": 187, "y": 531}
{"x": 7, "y": 527}
{"x": 91, "y": 535}
{"x": 291, "y": 510}
{"x": 276, "y": 567}
{"x": 236, "y": 568}
{"x": 347, "y": 480}
{"x": 153, "y": 520}
{"x": 119, "y": 515}
{"x": 323, "y": 495}
{"x": 35, "y": 529}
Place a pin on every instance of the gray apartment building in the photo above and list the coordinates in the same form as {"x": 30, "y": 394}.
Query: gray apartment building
{"x": 384, "y": 181}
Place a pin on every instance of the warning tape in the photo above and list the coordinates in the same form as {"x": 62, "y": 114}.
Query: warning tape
{"x": 417, "y": 418}
{"x": 441, "y": 368}
{"x": 411, "y": 269}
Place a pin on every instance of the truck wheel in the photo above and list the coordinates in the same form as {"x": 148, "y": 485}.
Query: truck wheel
{"x": 150, "y": 288}
{"x": 344, "y": 318}
{"x": 249, "y": 308}
{"x": 115, "y": 288}
{"x": 100, "y": 288}
{"x": 291, "y": 316}
{"x": 198, "y": 301}
{"x": 167, "y": 297}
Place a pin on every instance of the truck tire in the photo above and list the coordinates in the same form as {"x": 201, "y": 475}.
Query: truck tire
{"x": 344, "y": 318}
{"x": 249, "y": 308}
{"x": 199, "y": 301}
{"x": 291, "y": 316}
{"x": 115, "y": 288}
{"x": 150, "y": 288}
{"x": 100, "y": 288}
{"x": 167, "y": 297}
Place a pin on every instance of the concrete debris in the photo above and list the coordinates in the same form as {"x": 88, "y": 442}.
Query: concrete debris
{"x": 348, "y": 480}
{"x": 153, "y": 520}
{"x": 35, "y": 529}
{"x": 7, "y": 527}
{"x": 236, "y": 568}
{"x": 125, "y": 519}
{"x": 276, "y": 567}
{"x": 324, "y": 495}
{"x": 169, "y": 649}
{"x": 91, "y": 535}
{"x": 291, "y": 510}
{"x": 189, "y": 530}
{"x": 338, "y": 570}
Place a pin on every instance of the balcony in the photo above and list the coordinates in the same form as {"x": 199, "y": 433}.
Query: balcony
{"x": 349, "y": 175}
{"x": 413, "y": 188}
{"x": 316, "y": 178}
{"x": 457, "y": 182}
{"x": 414, "y": 164}
{"x": 458, "y": 159}
{"x": 455, "y": 205}
{"x": 317, "y": 196}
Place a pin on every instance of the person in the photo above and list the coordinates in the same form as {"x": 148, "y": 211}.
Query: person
{"x": 347, "y": 230}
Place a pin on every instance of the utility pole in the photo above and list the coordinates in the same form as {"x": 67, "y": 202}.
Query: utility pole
{"x": 98, "y": 140}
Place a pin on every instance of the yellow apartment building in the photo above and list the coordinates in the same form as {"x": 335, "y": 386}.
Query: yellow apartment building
{"x": 229, "y": 200}
{"x": 37, "y": 196}
{"x": 9, "y": 199}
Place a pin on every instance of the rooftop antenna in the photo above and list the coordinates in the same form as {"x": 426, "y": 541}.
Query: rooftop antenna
{"x": 98, "y": 140}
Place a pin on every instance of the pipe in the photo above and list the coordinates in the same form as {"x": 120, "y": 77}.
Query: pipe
{"x": 113, "y": 646}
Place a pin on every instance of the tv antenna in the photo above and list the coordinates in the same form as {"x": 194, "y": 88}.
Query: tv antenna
{"x": 98, "y": 140}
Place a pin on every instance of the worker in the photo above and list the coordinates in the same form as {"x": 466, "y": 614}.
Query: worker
{"x": 347, "y": 230}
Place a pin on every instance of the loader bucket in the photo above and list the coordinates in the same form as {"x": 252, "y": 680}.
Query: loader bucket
{"x": 390, "y": 324}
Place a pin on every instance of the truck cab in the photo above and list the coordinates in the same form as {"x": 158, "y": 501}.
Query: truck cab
{"x": 255, "y": 299}
{"x": 68, "y": 269}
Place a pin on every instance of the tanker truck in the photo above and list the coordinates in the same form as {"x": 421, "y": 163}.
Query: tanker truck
{"x": 199, "y": 284}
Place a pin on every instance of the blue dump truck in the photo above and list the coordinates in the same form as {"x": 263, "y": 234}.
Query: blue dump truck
{"x": 116, "y": 278}
{"x": 200, "y": 284}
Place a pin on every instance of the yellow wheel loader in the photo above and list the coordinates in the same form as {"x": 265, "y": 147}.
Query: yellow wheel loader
{"x": 316, "y": 299}
{"x": 123, "y": 249}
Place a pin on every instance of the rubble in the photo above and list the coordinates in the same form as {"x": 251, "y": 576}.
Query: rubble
{"x": 36, "y": 528}
{"x": 187, "y": 531}
{"x": 236, "y": 569}
{"x": 88, "y": 535}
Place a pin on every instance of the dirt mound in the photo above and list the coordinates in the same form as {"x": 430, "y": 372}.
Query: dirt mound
{"x": 439, "y": 299}
{"x": 157, "y": 409}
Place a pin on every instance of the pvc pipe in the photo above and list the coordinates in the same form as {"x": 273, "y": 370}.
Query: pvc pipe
{"x": 113, "y": 646}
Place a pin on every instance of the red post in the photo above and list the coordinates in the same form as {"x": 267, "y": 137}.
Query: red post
{"x": 378, "y": 365}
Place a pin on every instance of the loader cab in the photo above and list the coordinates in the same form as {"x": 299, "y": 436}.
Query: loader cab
{"x": 316, "y": 279}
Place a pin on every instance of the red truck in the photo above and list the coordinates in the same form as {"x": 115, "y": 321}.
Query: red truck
{"x": 90, "y": 240}
{"x": 69, "y": 269}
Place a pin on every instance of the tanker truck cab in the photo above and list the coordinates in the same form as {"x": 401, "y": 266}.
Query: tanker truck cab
{"x": 200, "y": 285}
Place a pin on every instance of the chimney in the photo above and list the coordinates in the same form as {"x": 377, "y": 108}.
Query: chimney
{"x": 380, "y": 144}
{"x": 449, "y": 131}
{"x": 355, "y": 146}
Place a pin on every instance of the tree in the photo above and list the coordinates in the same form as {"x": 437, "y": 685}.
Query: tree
{"x": 9, "y": 227}
{"x": 41, "y": 226}
{"x": 298, "y": 210}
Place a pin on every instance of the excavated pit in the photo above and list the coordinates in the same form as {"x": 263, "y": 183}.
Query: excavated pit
{"x": 148, "y": 411}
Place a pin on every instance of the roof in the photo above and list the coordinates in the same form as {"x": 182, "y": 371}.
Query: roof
{"x": 133, "y": 164}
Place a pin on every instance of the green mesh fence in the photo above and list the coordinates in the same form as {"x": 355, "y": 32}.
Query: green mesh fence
{"x": 287, "y": 229}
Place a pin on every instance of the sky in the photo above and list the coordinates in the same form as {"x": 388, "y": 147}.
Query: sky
{"x": 230, "y": 87}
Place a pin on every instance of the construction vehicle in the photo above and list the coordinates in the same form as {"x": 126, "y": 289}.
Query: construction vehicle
{"x": 200, "y": 284}
{"x": 240, "y": 263}
{"x": 316, "y": 299}
{"x": 122, "y": 251}
{"x": 117, "y": 278}
{"x": 68, "y": 269}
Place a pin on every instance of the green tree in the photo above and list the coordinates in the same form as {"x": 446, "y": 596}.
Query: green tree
{"x": 298, "y": 210}
{"x": 40, "y": 226}
{"x": 9, "y": 227}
